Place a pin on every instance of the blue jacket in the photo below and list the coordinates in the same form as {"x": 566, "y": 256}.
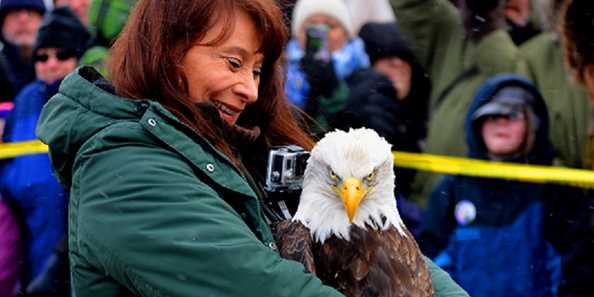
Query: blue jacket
{"x": 491, "y": 235}
{"x": 347, "y": 60}
{"x": 28, "y": 182}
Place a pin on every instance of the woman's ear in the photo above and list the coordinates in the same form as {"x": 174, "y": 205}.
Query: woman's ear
{"x": 589, "y": 80}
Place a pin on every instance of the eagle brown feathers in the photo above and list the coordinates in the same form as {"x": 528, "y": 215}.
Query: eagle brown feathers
{"x": 374, "y": 264}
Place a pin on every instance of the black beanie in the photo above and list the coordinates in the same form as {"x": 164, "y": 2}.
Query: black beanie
{"x": 7, "y": 6}
{"x": 62, "y": 29}
{"x": 383, "y": 40}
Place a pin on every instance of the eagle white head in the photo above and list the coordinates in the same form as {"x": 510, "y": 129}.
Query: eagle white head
{"x": 349, "y": 180}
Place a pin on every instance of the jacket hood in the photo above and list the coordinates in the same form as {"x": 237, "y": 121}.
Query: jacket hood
{"x": 83, "y": 106}
{"x": 542, "y": 149}
{"x": 384, "y": 40}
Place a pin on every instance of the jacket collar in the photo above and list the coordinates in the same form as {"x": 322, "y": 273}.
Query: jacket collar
{"x": 82, "y": 108}
{"x": 166, "y": 127}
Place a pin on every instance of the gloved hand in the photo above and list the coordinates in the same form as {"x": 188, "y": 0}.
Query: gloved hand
{"x": 320, "y": 76}
{"x": 482, "y": 17}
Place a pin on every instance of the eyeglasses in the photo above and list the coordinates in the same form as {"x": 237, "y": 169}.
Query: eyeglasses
{"x": 61, "y": 55}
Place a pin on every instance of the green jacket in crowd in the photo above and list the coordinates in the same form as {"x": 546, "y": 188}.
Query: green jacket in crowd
{"x": 155, "y": 210}
{"x": 457, "y": 67}
{"x": 568, "y": 103}
{"x": 107, "y": 18}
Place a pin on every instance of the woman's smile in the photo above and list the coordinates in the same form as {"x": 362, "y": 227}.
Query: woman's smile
{"x": 226, "y": 73}
{"x": 227, "y": 112}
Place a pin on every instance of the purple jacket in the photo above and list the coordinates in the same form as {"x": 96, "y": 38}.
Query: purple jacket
{"x": 9, "y": 251}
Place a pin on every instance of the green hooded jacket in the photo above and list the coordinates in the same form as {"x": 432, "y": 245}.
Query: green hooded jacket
{"x": 457, "y": 68}
{"x": 568, "y": 103}
{"x": 150, "y": 211}
{"x": 155, "y": 210}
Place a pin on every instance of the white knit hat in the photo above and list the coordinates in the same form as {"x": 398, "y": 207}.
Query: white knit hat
{"x": 334, "y": 8}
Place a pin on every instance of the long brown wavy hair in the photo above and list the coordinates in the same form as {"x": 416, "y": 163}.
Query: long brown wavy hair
{"x": 146, "y": 63}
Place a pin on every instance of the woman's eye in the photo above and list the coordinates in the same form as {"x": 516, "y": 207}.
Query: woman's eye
{"x": 257, "y": 72}
{"x": 234, "y": 62}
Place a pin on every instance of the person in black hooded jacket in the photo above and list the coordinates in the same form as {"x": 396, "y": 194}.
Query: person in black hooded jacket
{"x": 391, "y": 98}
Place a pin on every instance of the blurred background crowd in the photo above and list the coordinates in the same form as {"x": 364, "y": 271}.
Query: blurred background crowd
{"x": 483, "y": 79}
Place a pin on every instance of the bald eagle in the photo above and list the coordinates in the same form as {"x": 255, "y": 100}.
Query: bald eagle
{"x": 347, "y": 229}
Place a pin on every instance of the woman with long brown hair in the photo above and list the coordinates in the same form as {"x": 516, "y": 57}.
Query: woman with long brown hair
{"x": 162, "y": 200}
{"x": 163, "y": 162}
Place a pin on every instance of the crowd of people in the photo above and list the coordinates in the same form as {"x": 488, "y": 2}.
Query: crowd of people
{"x": 159, "y": 116}
{"x": 41, "y": 44}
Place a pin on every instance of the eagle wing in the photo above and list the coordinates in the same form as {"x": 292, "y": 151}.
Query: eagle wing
{"x": 294, "y": 242}
{"x": 374, "y": 263}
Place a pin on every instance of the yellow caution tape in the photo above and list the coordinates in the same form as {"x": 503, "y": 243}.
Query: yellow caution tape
{"x": 426, "y": 162}
{"x": 480, "y": 168}
{"x": 17, "y": 149}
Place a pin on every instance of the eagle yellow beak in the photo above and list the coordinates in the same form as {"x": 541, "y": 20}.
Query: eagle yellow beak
{"x": 351, "y": 191}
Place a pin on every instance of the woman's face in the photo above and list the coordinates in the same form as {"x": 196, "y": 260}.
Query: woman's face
{"x": 52, "y": 64}
{"x": 504, "y": 135}
{"x": 337, "y": 35}
{"x": 226, "y": 74}
{"x": 398, "y": 71}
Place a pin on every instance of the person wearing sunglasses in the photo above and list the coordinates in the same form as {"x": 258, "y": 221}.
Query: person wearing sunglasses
{"x": 52, "y": 64}
{"x": 27, "y": 182}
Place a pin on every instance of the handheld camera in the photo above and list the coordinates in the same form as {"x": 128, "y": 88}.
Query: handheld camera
{"x": 316, "y": 42}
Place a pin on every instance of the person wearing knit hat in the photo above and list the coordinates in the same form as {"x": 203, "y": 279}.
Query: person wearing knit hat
{"x": 61, "y": 41}
{"x": 59, "y": 44}
{"x": 19, "y": 21}
{"x": 8, "y": 6}
{"x": 334, "y": 9}
{"x": 317, "y": 85}
{"x": 391, "y": 55}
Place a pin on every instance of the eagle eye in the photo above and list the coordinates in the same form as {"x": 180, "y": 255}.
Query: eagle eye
{"x": 333, "y": 175}
{"x": 370, "y": 177}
